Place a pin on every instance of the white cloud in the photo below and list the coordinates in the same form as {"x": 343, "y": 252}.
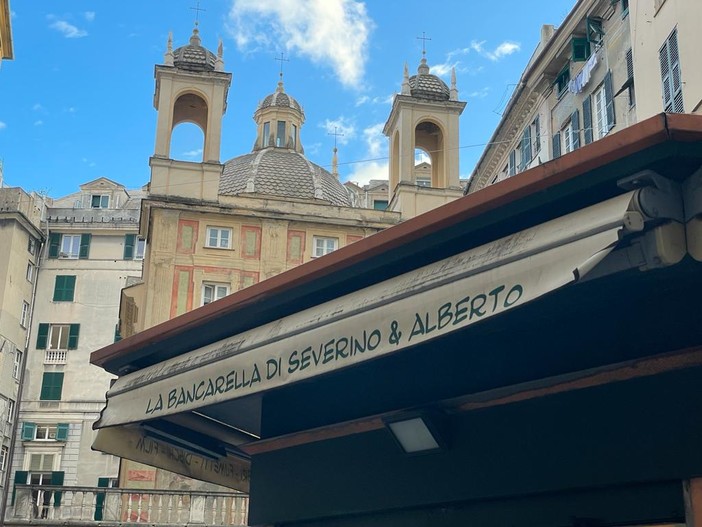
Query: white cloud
{"x": 328, "y": 32}
{"x": 502, "y": 50}
{"x": 365, "y": 99}
{"x": 376, "y": 142}
{"x": 193, "y": 153}
{"x": 345, "y": 130}
{"x": 479, "y": 94}
{"x": 89, "y": 15}
{"x": 2, "y": 125}
{"x": 70, "y": 109}
{"x": 376, "y": 152}
{"x": 38, "y": 123}
{"x": 68, "y": 30}
{"x": 37, "y": 107}
{"x": 364, "y": 172}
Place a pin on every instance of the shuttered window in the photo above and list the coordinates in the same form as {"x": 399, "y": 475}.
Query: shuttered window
{"x": 51, "y": 386}
{"x": 670, "y": 75}
{"x": 64, "y": 288}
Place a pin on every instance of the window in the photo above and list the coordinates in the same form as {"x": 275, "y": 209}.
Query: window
{"x": 670, "y": 75}
{"x": 280, "y": 134}
{"x": 512, "y": 163}
{"x": 4, "y": 452}
{"x": 212, "y": 292}
{"x": 32, "y": 246}
{"x": 380, "y": 204}
{"x": 51, "y": 386}
{"x": 580, "y": 48}
{"x": 266, "y": 134}
{"x": 625, "y": 8}
{"x": 562, "y": 80}
{"x": 535, "y": 136}
{"x": 219, "y": 237}
{"x": 567, "y": 135}
{"x": 69, "y": 245}
{"x": 133, "y": 247}
{"x": 64, "y": 288}
{"x": 24, "y": 316}
{"x": 595, "y": 33}
{"x": 99, "y": 201}
{"x": 10, "y": 410}
{"x": 323, "y": 245}
{"x": 17, "y": 365}
{"x": 140, "y": 248}
{"x": 44, "y": 432}
{"x": 423, "y": 182}
{"x": 293, "y": 136}
{"x": 58, "y": 336}
{"x": 525, "y": 149}
{"x": 30, "y": 272}
{"x": 601, "y": 127}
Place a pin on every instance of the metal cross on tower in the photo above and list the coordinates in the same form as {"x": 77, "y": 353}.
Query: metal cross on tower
{"x": 335, "y": 134}
{"x": 424, "y": 39}
{"x": 197, "y": 10}
{"x": 281, "y": 59}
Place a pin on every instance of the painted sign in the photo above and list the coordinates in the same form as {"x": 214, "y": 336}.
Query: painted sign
{"x": 385, "y": 318}
{"x": 132, "y": 443}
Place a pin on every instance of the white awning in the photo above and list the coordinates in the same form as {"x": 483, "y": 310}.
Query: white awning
{"x": 385, "y": 318}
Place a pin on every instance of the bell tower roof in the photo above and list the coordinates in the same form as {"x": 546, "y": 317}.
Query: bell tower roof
{"x": 194, "y": 56}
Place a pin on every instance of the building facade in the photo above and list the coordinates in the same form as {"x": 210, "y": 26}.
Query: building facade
{"x": 91, "y": 251}
{"x": 21, "y": 239}
{"x": 609, "y": 65}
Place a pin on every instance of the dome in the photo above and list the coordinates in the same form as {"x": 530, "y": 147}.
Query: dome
{"x": 282, "y": 173}
{"x": 424, "y": 85}
{"x": 280, "y": 99}
{"x": 194, "y": 57}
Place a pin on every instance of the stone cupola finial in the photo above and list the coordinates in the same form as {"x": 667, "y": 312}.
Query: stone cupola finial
{"x": 219, "y": 63}
{"x": 405, "y": 82}
{"x": 454, "y": 90}
{"x": 168, "y": 57}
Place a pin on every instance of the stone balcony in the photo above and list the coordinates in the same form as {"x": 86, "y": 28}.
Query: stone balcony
{"x": 93, "y": 506}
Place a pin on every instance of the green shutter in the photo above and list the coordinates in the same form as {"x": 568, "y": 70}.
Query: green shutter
{"x": 580, "y": 48}
{"x": 84, "y": 246}
{"x": 28, "y": 431}
{"x": 54, "y": 244}
{"x": 118, "y": 335}
{"x": 129, "y": 241}
{"x": 73, "y": 332}
{"x": 42, "y": 336}
{"x": 64, "y": 288}
{"x": 587, "y": 119}
{"x": 57, "y": 480}
{"x": 20, "y": 479}
{"x": 100, "y": 499}
{"x": 62, "y": 432}
{"x": 51, "y": 386}
{"x": 609, "y": 99}
{"x": 556, "y": 143}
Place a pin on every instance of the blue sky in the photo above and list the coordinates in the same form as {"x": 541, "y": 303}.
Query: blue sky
{"x": 77, "y": 100}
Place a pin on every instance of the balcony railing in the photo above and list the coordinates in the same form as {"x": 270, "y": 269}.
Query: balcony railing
{"x": 55, "y": 357}
{"x": 87, "y": 506}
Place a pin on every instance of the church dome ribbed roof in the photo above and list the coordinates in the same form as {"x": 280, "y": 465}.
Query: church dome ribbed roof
{"x": 194, "y": 57}
{"x": 281, "y": 173}
{"x": 425, "y": 85}
{"x": 280, "y": 99}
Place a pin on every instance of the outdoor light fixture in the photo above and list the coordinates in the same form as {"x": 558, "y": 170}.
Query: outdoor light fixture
{"x": 417, "y": 433}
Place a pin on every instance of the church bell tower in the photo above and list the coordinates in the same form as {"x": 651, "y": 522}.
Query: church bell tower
{"x": 191, "y": 86}
{"x": 424, "y": 116}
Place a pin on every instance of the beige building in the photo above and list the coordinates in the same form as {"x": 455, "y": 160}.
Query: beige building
{"x": 609, "y": 65}
{"x": 91, "y": 252}
{"x": 21, "y": 240}
{"x": 214, "y": 228}
{"x": 5, "y": 31}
